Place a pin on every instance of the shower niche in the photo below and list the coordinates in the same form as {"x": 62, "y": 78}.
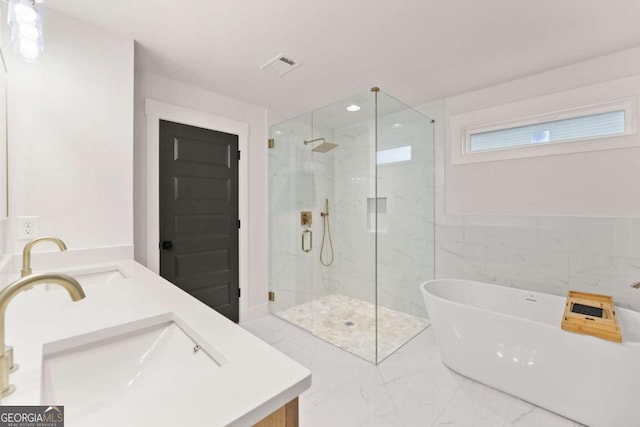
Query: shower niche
{"x": 363, "y": 168}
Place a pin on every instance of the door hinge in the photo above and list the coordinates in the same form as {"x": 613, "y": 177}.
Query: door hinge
{"x": 238, "y": 154}
{"x": 271, "y": 143}
{"x": 238, "y": 223}
{"x": 239, "y": 292}
{"x": 272, "y": 296}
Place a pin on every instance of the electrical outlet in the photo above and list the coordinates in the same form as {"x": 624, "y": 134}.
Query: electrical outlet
{"x": 27, "y": 227}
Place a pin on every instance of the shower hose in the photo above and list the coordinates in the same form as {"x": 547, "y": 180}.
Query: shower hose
{"x": 326, "y": 230}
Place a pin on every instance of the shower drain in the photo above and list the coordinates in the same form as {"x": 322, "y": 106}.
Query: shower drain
{"x": 349, "y": 323}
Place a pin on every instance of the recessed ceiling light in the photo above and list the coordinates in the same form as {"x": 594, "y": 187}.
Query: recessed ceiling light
{"x": 396, "y": 125}
{"x": 353, "y": 107}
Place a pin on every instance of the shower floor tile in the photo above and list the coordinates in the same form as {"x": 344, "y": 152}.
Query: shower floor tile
{"x": 349, "y": 323}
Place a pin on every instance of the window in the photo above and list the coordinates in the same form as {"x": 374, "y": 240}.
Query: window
{"x": 485, "y": 135}
{"x": 589, "y": 126}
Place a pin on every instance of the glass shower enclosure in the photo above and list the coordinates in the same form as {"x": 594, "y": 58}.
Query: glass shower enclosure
{"x": 351, "y": 222}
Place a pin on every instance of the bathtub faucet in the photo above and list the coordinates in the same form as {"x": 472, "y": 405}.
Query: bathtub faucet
{"x": 636, "y": 285}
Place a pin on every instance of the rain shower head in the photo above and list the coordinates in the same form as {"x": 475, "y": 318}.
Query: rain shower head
{"x": 322, "y": 148}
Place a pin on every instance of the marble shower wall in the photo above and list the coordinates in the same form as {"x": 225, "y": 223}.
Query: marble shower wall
{"x": 354, "y": 243}
{"x": 551, "y": 254}
{"x": 405, "y": 237}
{"x": 300, "y": 179}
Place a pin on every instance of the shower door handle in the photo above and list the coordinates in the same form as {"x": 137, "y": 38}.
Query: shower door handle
{"x": 304, "y": 235}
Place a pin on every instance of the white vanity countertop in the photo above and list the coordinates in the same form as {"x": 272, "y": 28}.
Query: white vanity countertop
{"x": 256, "y": 380}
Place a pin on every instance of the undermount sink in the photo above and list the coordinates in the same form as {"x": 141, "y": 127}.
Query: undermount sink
{"x": 89, "y": 278}
{"x": 99, "y": 374}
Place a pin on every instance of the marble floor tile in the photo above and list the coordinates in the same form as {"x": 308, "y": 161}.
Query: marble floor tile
{"x": 523, "y": 414}
{"x": 411, "y": 388}
{"x": 475, "y": 405}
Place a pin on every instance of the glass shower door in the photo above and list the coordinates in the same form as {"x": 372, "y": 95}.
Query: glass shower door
{"x": 346, "y": 176}
{"x": 361, "y": 170}
{"x": 290, "y": 174}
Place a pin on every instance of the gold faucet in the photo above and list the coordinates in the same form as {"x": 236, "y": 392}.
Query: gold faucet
{"x": 26, "y": 252}
{"x": 6, "y": 295}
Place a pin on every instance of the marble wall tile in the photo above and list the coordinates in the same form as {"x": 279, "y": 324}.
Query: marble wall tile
{"x": 590, "y": 254}
{"x": 478, "y": 276}
{"x": 356, "y": 271}
{"x": 348, "y": 223}
{"x": 500, "y": 230}
{"x": 405, "y": 176}
{"x": 418, "y": 202}
{"x": 591, "y": 235}
{"x": 352, "y": 179}
{"x": 625, "y": 237}
{"x": 407, "y": 298}
{"x": 409, "y": 226}
{"x": 461, "y": 257}
{"x": 604, "y": 274}
{"x": 529, "y": 266}
{"x": 360, "y": 159}
{"x": 450, "y": 229}
{"x": 402, "y": 265}
{"x": 348, "y": 199}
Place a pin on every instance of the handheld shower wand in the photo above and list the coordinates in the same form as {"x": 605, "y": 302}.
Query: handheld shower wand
{"x": 326, "y": 230}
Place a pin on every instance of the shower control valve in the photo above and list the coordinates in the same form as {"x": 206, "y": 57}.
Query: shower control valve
{"x": 306, "y": 218}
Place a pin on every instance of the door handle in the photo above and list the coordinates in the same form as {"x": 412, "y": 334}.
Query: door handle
{"x": 166, "y": 245}
{"x": 306, "y": 232}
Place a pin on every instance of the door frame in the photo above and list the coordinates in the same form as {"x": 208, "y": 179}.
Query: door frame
{"x": 156, "y": 111}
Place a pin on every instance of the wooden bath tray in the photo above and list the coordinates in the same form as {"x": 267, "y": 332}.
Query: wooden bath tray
{"x": 591, "y": 314}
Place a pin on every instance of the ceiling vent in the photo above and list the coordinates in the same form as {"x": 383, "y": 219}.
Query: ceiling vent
{"x": 281, "y": 65}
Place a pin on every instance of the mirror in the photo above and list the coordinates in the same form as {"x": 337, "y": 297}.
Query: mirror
{"x": 4, "y": 175}
{"x": 70, "y": 140}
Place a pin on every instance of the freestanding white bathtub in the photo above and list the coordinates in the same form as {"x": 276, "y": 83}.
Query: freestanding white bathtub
{"x": 511, "y": 339}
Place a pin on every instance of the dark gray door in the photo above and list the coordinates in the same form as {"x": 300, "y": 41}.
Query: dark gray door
{"x": 199, "y": 214}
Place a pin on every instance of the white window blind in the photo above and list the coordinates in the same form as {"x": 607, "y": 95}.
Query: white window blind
{"x": 610, "y": 123}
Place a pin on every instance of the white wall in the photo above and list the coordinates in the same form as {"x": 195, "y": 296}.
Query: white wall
{"x": 70, "y": 136}
{"x": 585, "y": 183}
{"x": 150, "y": 86}
{"x": 534, "y": 249}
